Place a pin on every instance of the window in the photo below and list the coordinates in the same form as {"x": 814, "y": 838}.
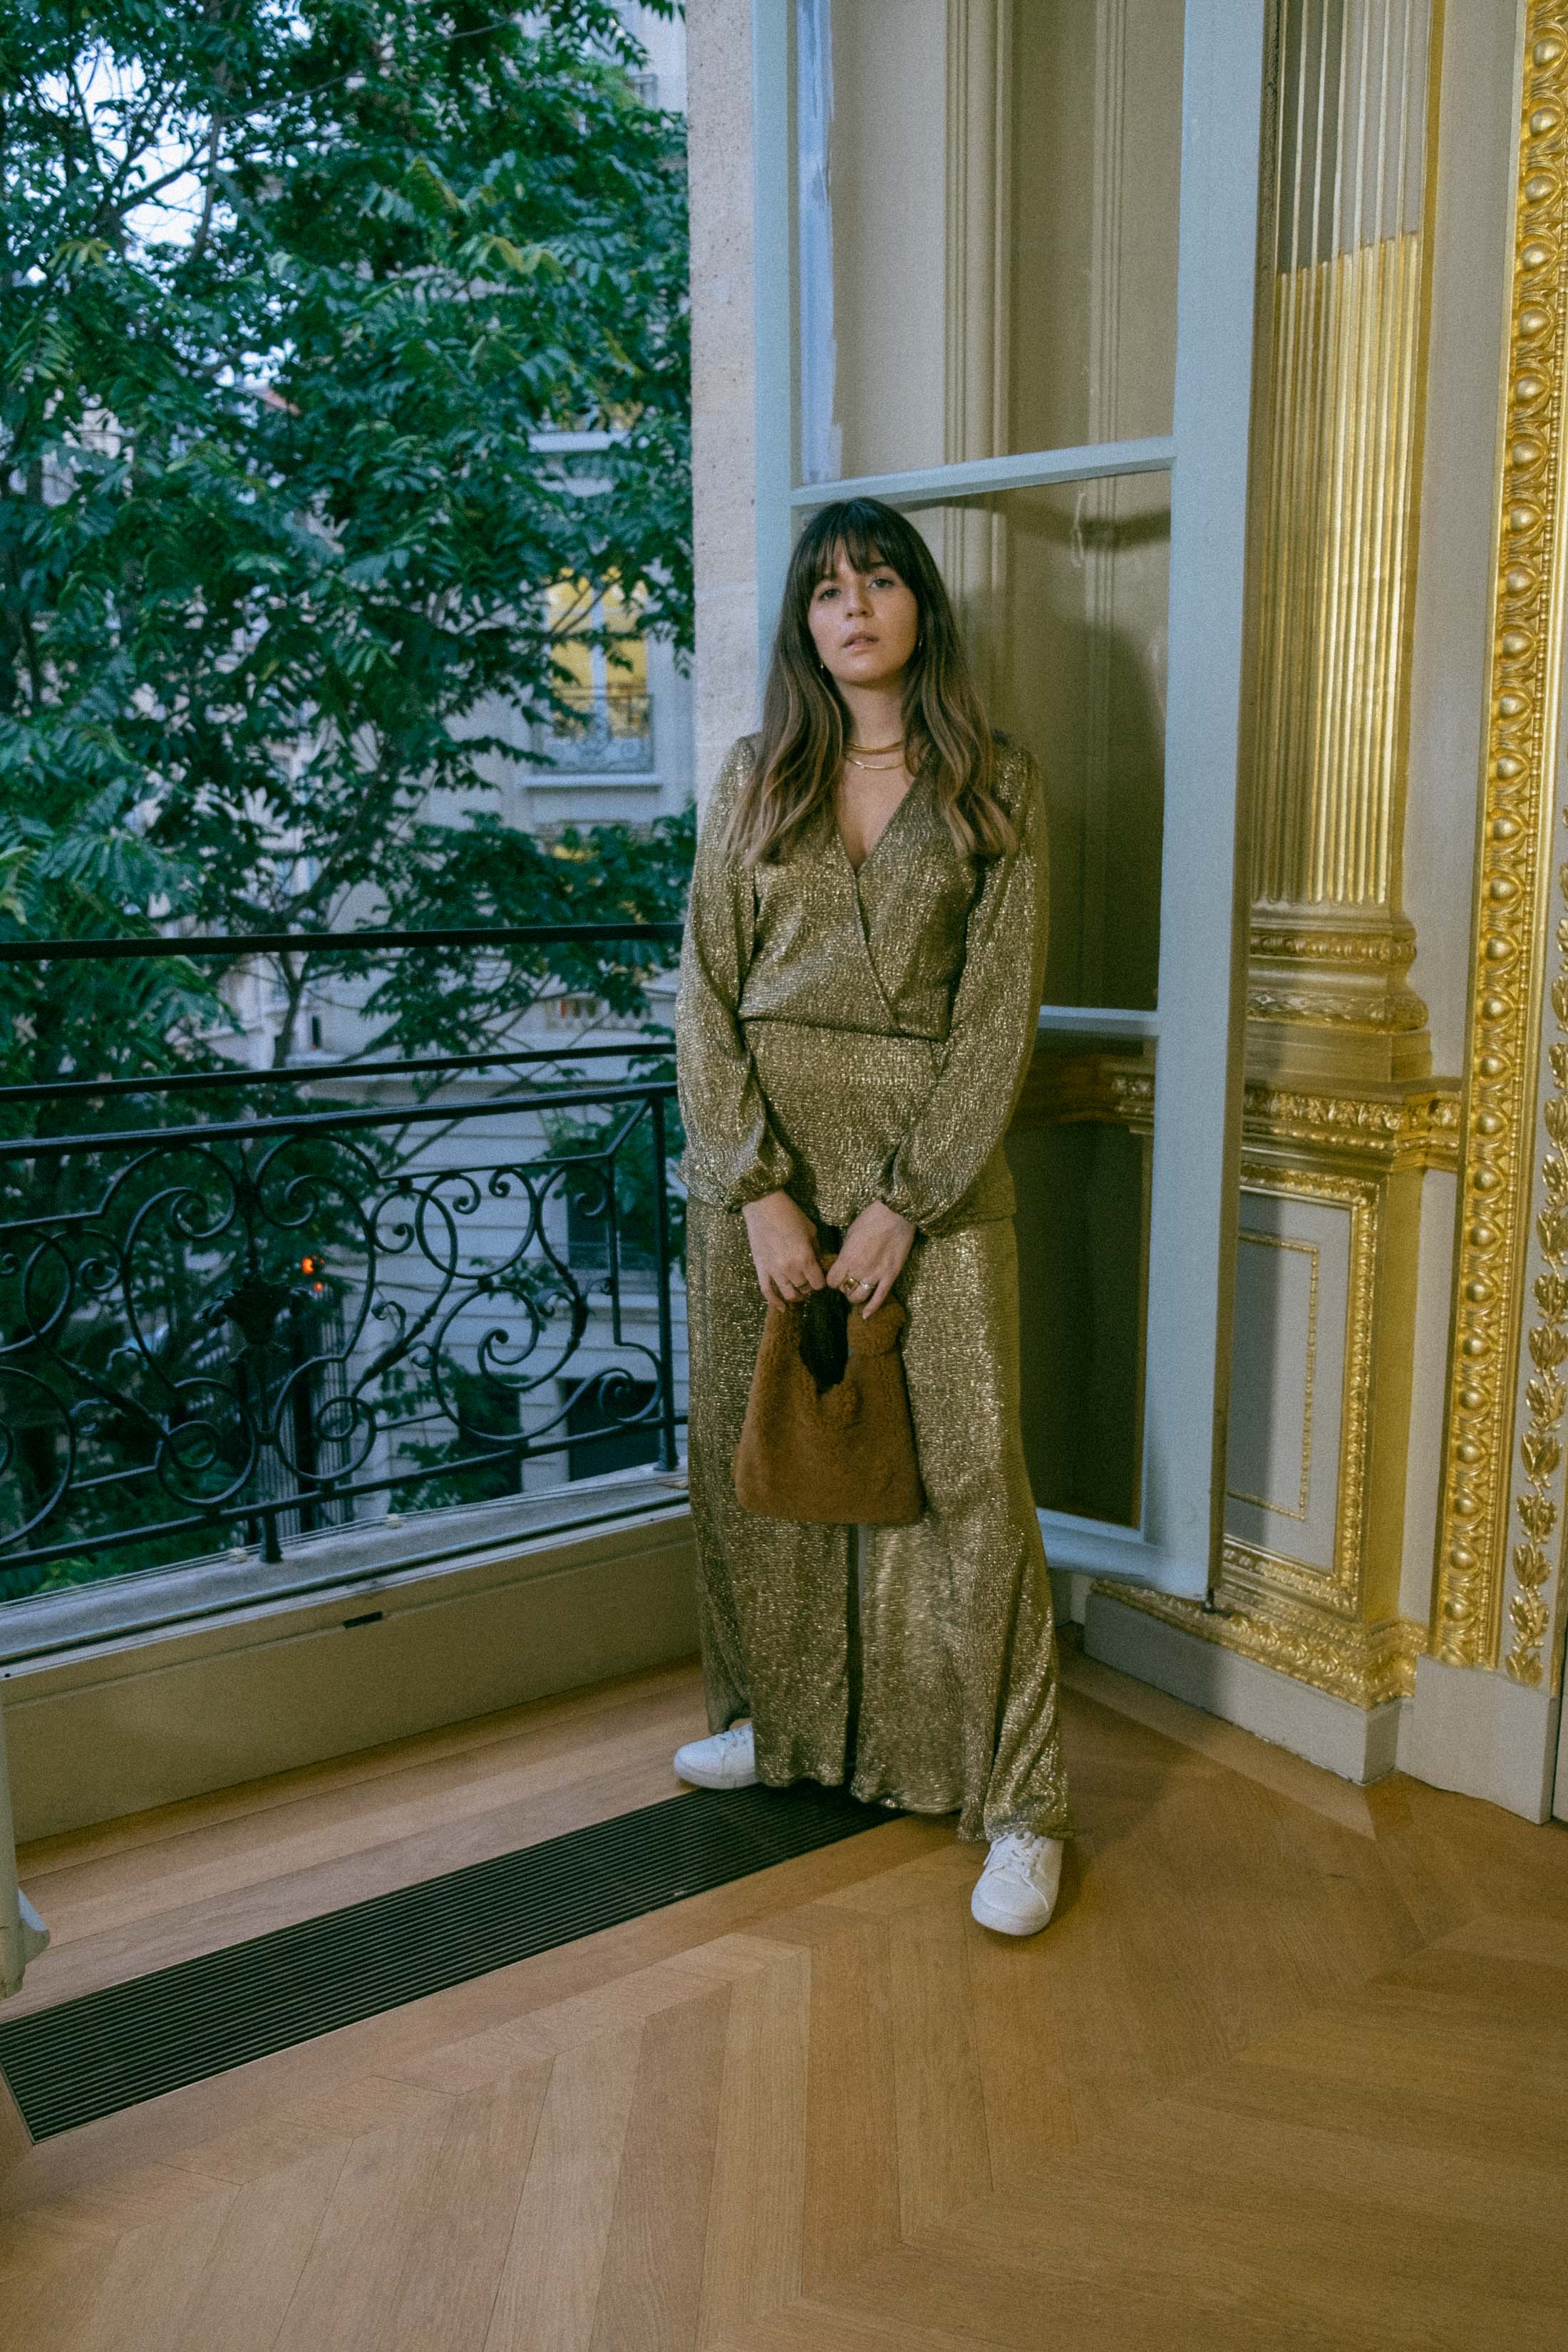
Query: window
{"x": 600, "y": 645}
{"x": 1007, "y": 260}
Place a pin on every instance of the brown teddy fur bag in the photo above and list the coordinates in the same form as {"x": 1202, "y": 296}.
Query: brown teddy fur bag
{"x": 827, "y": 1433}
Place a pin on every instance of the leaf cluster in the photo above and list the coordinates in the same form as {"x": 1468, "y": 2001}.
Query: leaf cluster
{"x": 308, "y": 313}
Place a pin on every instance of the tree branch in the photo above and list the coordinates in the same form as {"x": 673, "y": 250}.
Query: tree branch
{"x": 209, "y": 190}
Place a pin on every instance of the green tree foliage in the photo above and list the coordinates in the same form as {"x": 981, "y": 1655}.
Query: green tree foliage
{"x": 291, "y": 288}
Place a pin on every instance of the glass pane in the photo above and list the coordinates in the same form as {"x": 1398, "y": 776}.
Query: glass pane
{"x": 1063, "y": 594}
{"x": 1079, "y": 1152}
{"x": 987, "y": 228}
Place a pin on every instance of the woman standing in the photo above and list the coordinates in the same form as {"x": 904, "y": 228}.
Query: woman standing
{"x": 861, "y": 981}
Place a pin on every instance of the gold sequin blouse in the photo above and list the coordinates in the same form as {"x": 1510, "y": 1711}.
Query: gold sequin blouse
{"x": 854, "y": 1034}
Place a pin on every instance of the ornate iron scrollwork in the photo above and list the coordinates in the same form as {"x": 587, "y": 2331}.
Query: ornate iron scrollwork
{"x": 262, "y": 1333}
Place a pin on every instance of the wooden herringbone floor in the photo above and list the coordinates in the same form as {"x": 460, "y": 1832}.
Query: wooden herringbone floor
{"x": 1288, "y": 2070}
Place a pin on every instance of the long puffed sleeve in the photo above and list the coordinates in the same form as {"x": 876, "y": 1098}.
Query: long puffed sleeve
{"x": 994, "y": 1023}
{"x": 732, "y": 1154}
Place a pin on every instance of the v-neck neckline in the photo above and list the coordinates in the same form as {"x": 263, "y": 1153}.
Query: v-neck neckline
{"x": 855, "y": 871}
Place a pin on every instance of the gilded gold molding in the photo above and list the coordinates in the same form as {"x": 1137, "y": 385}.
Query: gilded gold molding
{"x": 1509, "y": 946}
{"x": 1366, "y": 1664}
{"x": 1406, "y": 1125}
{"x": 1302, "y": 1621}
{"x": 1402, "y": 1126}
{"x": 1377, "y": 1016}
{"x": 1545, "y": 1396}
{"x": 1064, "y": 1089}
{"x": 1393, "y": 949}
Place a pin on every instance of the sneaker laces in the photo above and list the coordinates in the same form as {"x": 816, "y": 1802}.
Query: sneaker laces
{"x": 1015, "y": 1854}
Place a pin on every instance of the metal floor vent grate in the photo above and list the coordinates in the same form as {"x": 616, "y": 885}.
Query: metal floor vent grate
{"x": 109, "y": 2050}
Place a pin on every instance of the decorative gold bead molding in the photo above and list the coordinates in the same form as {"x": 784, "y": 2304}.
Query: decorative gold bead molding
{"x": 1508, "y": 948}
{"x": 1545, "y": 1396}
{"x": 1363, "y": 950}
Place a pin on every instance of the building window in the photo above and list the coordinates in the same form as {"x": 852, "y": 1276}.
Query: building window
{"x": 601, "y": 655}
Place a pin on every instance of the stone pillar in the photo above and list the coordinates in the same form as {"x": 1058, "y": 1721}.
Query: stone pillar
{"x": 723, "y": 377}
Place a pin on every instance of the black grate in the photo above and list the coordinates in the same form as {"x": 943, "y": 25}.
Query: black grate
{"x": 109, "y": 2050}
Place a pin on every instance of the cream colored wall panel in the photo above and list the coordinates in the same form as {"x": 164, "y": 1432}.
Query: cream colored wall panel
{"x": 1357, "y": 1742}
{"x": 1423, "y": 1462}
{"x": 1287, "y": 1410}
{"x": 1270, "y": 1462}
{"x": 1483, "y": 1735}
{"x": 1470, "y": 231}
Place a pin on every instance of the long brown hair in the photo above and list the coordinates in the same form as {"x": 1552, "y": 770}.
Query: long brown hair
{"x": 805, "y": 724}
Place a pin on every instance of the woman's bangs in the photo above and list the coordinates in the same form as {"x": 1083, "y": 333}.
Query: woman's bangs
{"x": 855, "y": 547}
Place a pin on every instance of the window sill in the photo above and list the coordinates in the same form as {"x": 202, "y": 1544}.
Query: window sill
{"x": 341, "y": 1561}
{"x": 106, "y": 1720}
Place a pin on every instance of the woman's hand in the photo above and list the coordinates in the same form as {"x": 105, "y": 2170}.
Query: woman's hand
{"x": 873, "y": 1250}
{"x": 783, "y": 1249}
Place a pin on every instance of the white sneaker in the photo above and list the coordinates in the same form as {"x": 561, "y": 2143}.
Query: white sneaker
{"x": 726, "y": 1760}
{"x": 1016, "y": 1891}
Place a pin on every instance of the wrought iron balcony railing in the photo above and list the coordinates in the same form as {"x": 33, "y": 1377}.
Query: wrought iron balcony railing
{"x": 390, "y": 1286}
{"x": 610, "y": 732}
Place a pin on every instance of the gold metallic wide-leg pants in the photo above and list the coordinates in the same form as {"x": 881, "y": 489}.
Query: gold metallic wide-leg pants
{"x": 933, "y": 1687}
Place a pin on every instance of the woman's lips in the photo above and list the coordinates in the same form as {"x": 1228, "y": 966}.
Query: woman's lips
{"x": 852, "y": 644}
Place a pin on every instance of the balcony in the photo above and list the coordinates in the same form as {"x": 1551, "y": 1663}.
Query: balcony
{"x": 359, "y": 1294}
{"x": 273, "y": 1340}
{"x": 609, "y": 731}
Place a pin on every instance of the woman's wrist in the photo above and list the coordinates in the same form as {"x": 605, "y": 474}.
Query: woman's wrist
{"x": 906, "y": 1221}
{"x": 764, "y": 1200}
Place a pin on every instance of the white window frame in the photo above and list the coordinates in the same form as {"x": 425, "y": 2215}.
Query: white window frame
{"x": 1198, "y": 1029}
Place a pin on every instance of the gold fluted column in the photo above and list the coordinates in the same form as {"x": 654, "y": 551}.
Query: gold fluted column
{"x": 1329, "y": 999}
{"x": 1342, "y": 1119}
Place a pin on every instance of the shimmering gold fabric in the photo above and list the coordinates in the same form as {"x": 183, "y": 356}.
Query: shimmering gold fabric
{"x": 847, "y": 1036}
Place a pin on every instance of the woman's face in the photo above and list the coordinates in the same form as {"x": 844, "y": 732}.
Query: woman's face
{"x": 863, "y": 624}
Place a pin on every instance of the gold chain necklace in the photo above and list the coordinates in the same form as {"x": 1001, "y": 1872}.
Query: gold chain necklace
{"x": 878, "y": 764}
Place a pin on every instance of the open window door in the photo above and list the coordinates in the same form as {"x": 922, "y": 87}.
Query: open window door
{"x": 23, "y": 1934}
{"x": 1006, "y": 261}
